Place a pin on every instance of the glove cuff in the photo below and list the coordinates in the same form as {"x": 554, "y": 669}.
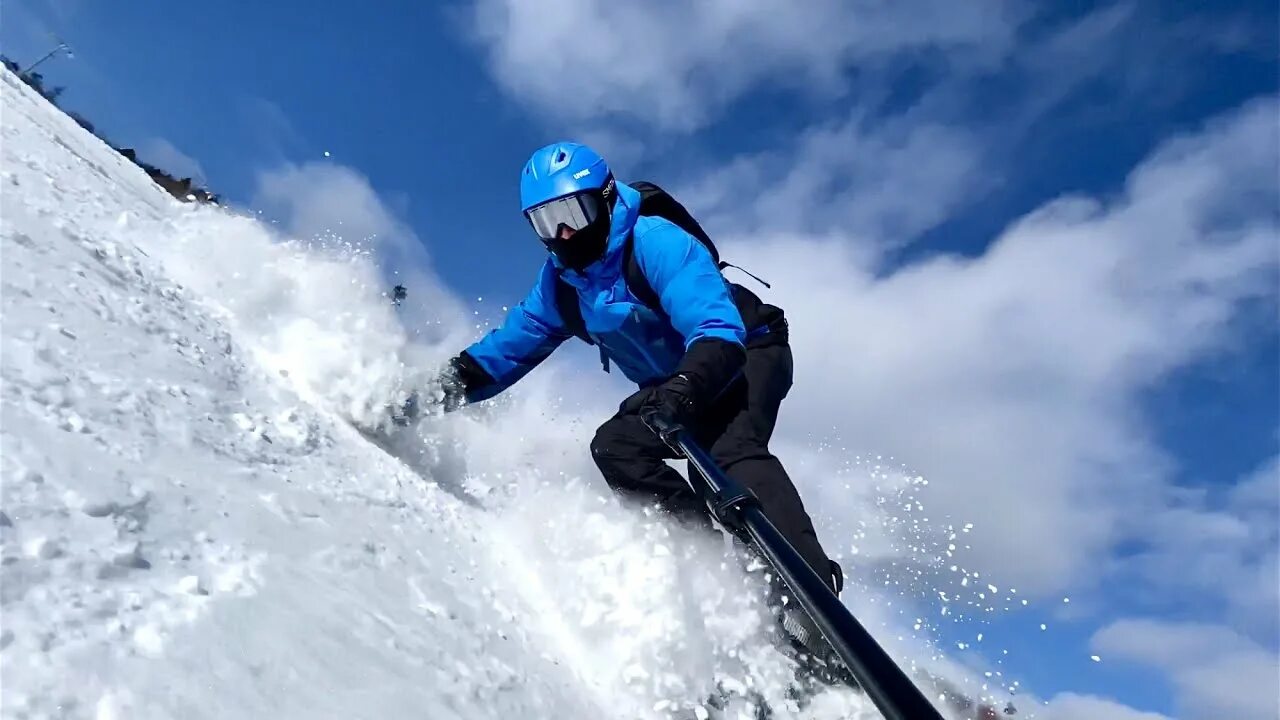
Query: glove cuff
{"x": 709, "y": 366}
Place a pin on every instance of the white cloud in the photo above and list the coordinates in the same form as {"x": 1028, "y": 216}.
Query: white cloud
{"x": 1223, "y": 551}
{"x": 883, "y": 182}
{"x": 1012, "y": 380}
{"x": 166, "y": 156}
{"x": 673, "y": 65}
{"x": 1070, "y": 706}
{"x": 1216, "y": 672}
{"x": 883, "y": 176}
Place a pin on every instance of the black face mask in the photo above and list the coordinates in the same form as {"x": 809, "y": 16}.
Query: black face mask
{"x": 585, "y": 247}
{"x": 588, "y": 244}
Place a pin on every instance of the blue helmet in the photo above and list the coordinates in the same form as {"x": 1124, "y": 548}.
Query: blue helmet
{"x": 567, "y": 193}
{"x": 561, "y": 169}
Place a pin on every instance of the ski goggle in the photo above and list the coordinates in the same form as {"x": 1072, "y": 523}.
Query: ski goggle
{"x": 575, "y": 212}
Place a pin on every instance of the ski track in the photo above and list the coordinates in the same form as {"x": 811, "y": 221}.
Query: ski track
{"x": 190, "y": 530}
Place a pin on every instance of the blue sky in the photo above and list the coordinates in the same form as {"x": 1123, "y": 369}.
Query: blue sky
{"x": 910, "y": 142}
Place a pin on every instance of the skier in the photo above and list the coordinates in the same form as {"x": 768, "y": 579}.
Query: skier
{"x": 706, "y": 354}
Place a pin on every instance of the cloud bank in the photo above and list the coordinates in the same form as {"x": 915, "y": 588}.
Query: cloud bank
{"x": 673, "y": 65}
{"x": 1014, "y": 380}
{"x": 1216, "y": 673}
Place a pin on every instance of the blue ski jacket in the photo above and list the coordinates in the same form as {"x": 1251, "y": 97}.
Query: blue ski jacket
{"x": 645, "y": 346}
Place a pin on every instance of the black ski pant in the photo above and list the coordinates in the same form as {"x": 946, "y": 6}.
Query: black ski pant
{"x": 735, "y": 430}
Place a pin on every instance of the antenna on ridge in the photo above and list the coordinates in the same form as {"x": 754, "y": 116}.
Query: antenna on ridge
{"x": 61, "y": 47}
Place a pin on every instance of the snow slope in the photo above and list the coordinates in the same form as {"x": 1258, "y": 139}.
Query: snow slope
{"x": 191, "y": 529}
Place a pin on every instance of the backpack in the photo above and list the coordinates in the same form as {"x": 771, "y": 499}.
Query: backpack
{"x": 654, "y": 202}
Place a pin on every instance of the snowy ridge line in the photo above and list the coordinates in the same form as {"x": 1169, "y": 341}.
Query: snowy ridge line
{"x": 180, "y": 189}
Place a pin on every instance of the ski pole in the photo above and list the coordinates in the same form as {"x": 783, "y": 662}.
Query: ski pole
{"x": 893, "y": 693}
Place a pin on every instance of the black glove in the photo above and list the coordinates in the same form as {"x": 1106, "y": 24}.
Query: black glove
{"x": 453, "y": 387}
{"x": 460, "y": 380}
{"x": 706, "y": 370}
{"x": 709, "y": 366}
{"x": 670, "y": 404}
{"x": 456, "y": 380}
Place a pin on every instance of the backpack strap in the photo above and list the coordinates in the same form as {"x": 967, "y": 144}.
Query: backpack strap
{"x": 636, "y": 282}
{"x": 571, "y": 311}
{"x": 654, "y": 201}
{"x": 570, "y": 308}
{"x": 747, "y": 303}
{"x": 748, "y": 273}
{"x": 639, "y": 285}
